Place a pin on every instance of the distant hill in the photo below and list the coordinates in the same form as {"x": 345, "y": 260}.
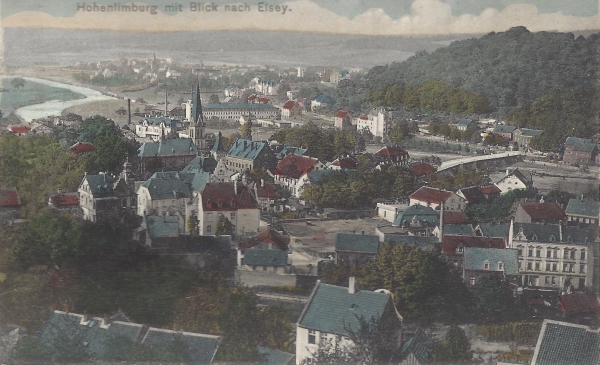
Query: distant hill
{"x": 512, "y": 68}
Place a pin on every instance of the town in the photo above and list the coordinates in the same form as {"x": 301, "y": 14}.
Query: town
{"x": 276, "y": 215}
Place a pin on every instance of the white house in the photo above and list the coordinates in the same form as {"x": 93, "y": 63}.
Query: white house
{"x": 164, "y": 193}
{"x": 514, "y": 180}
{"x": 376, "y": 122}
{"x": 433, "y": 198}
{"x": 291, "y": 172}
{"x": 157, "y": 127}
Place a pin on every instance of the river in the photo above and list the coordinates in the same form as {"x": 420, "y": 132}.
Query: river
{"x": 55, "y": 107}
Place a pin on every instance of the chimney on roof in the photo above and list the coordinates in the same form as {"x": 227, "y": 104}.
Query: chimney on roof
{"x": 441, "y": 234}
{"x": 235, "y": 188}
{"x": 352, "y": 285}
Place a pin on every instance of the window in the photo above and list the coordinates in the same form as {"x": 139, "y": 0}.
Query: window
{"x": 552, "y": 239}
{"x": 500, "y": 266}
{"x": 582, "y": 269}
{"x": 554, "y": 280}
{"x": 534, "y": 237}
{"x": 472, "y": 280}
{"x": 573, "y": 254}
{"x": 209, "y": 229}
{"x": 209, "y": 217}
{"x": 566, "y": 253}
{"x": 530, "y": 253}
{"x": 572, "y": 268}
{"x": 581, "y": 283}
{"x": 554, "y": 267}
{"x": 520, "y": 248}
{"x": 537, "y": 266}
{"x": 312, "y": 337}
{"x": 486, "y": 265}
{"x": 547, "y": 267}
{"x": 555, "y": 255}
{"x": 565, "y": 267}
{"x": 538, "y": 252}
{"x": 232, "y": 216}
{"x": 547, "y": 280}
{"x": 548, "y": 253}
{"x": 529, "y": 266}
{"x": 582, "y": 254}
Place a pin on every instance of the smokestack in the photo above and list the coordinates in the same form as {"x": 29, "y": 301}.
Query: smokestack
{"x": 129, "y": 111}
{"x": 352, "y": 285}
{"x": 166, "y": 102}
{"x": 441, "y": 234}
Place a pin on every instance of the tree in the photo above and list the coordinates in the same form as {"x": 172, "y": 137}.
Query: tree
{"x": 224, "y": 226}
{"x": 398, "y": 132}
{"x": 246, "y": 130}
{"x": 17, "y": 82}
{"x": 455, "y": 349}
{"x": 192, "y": 224}
{"x": 214, "y": 99}
{"x": 121, "y": 111}
{"x": 240, "y": 324}
{"x": 495, "y": 301}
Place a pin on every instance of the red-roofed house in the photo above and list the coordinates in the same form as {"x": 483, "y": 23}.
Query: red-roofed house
{"x": 291, "y": 172}
{"x": 267, "y": 251}
{"x": 261, "y": 100}
{"x": 540, "y": 213}
{"x": 433, "y": 198}
{"x": 233, "y": 201}
{"x": 453, "y": 246}
{"x": 490, "y": 191}
{"x": 342, "y": 120}
{"x": 81, "y": 147}
{"x": 343, "y": 163}
{"x": 454, "y": 217}
{"x": 291, "y": 109}
{"x": 9, "y": 197}
{"x": 421, "y": 169}
{"x": 265, "y": 194}
{"x": 64, "y": 201}
{"x": 392, "y": 155}
{"x": 19, "y": 129}
{"x": 578, "y": 303}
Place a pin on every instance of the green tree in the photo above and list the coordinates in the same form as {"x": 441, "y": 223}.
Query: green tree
{"x": 495, "y": 301}
{"x": 224, "y": 226}
{"x": 455, "y": 349}
{"x": 246, "y": 130}
{"x": 398, "y": 132}
{"x": 277, "y": 327}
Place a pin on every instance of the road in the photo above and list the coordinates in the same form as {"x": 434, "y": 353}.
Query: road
{"x": 453, "y": 163}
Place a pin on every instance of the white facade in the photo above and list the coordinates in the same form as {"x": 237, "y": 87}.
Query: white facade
{"x": 243, "y": 220}
{"x": 308, "y": 342}
{"x": 453, "y": 203}
{"x": 510, "y": 182}
{"x": 148, "y": 206}
{"x": 377, "y": 123}
{"x": 153, "y": 130}
{"x": 389, "y": 211}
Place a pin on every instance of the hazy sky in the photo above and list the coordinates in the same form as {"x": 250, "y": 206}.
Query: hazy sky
{"x": 412, "y": 17}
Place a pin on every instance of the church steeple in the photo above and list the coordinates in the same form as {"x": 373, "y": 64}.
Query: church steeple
{"x": 196, "y": 129}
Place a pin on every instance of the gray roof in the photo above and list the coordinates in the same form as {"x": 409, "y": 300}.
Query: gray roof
{"x": 551, "y": 233}
{"x": 162, "y": 226}
{"x": 459, "y": 229}
{"x": 425, "y": 243}
{"x": 213, "y": 106}
{"x": 476, "y": 257}
{"x": 199, "y": 164}
{"x": 246, "y": 149}
{"x": 317, "y": 176}
{"x": 168, "y": 147}
{"x": 494, "y": 229}
{"x": 275, "y": 357}
{"x": 257, "y": 257}
{"x": 201, "y": 348}
{"x": 101, "y": 185}
{"x": 572, "y": 141}
{"x": 561, "y": 343}
{"x": 426, "y": 215}
{"x": 502, "y": 128}
{"x": 586, "y": 208}
{"x": 169, "y": 185}
{"x": 158, "y": 120}
{"x": 530, "y": 132}
{"x": 363, "y": 243}
{"x": 419, "y": 344}
{"x": 464, "y": 122}
{"x": 323, "y": 99}
{"x": 332, "y": 309}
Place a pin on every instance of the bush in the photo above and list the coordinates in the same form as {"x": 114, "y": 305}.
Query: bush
{"x": 524, "y": 332}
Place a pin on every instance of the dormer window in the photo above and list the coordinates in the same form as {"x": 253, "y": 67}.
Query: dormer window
{"x": 534, "y": 237}
{"x": 500, "y": 266}
{"x": 459, "y": 248}
{"x": 486, "y": 265}
{"x": 552, "y": 238}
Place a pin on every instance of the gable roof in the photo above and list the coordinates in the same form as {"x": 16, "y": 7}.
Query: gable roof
{"x": 19, "y": 129}
{"x": 419, "y": 345}
{"x": 257, "y": 257}
{"x": 425, "y": 243}
{"x": 332, "y": 309}
{"x": 289, "y": 105}
{"x": 219, "y": 146}
{"x": 158, "y": 120}
{"x": 586, "y": 208}
{"x": 552, "y": 233}
{"x": 82, "y": 147}
{"x": 583, "y": 147}
{"x": 362, "y": 243}
{"x": 503, "y": 128}
{"x": 476, "y": 257}
{"x": 489, "y": 189}
{"x": 464, "y": 122}
{"x": 168, "y": 147}
{"x": 287, "y": 149}
{"x": 494, "y": 229}
{"x": 316, "y": 176}
{"x": 573, "y": 141}
{"x": 101, "y": 185}
{"x": 294, "y": 166}
{"x": 519, "y": 175}
{"x": 264, "y": 190}
{"x": 458, "y": 229}
{"x": 169, "y": 185}
{"x": 544, "y": 211}
{"x": 472, "y": 195}
{"x": 451, "y": 242}
{"x": 269, "y": 236}
{"x": 530, "y": 132}
{"x": 246, "y": 149}
{"x": 222, "y": 197}
{"x": 63, "y": 200}
{"x": 421, "y": 169}
{"x": 426, "y": 215}
{"x": 9, "y": 197}
{"x": 454, "y": 217}
{"x": 578, "y": 303}
{"x": 323, "y": 99}
{"x": 561, "y": 343}
{"x": 348, "y": 163}
{"x": 431, "y": 195}
{"x": 200, "y": 164}
{"x": 341, "y": 114}
{"x": 275, "y": 357}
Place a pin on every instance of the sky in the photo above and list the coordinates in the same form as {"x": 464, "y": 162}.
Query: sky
{"x": 370, "y": 17}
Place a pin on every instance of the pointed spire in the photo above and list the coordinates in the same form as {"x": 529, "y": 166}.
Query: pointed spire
{"x": 197, "y": 106}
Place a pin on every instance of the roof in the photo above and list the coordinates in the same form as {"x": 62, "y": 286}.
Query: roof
{"x": 544, "y": 211}
{"x": 275, "y": 357}
{"x": 162, "y": 226}
{"x": 419, "y": 345}
{"x": 169, "y": 185}
{"x": 294, "y": 166}
{"x": 290, "y": 149}
{"x": 263, "y": 100}
{"x": 101, "y": 185}
{"x": 246, "y": 149}
{"x": 561, "y": 343}
{"x": 503, "y": 128}
{"x": 421, "y": 169}
{"x": 472, "y": 195}
{"x": 19, "y": 129}
{"x": 431, "y": 195}
{"x": 332, "y": 309}
{"x": 519, "y": 175}
{"x": 158, "y": 120}
{"x": 586, "y": 208}
{"x": 93, "y": 332}
{"x": 476, "y": 257}
{"x": 194, "y": 244}
{"x": 425, "y": 243}
{"x": 64, "y": 200}
{"x": 572, "y": 141}
{"x": 494, "y": 229}
{"x": 454, "y": 217}
{"x": 578, "y": 303}
{"x": 464, "y": 122}
{"x": 222, "y": 197}
{"x": 316, "y": 176}
{"x": 9, "y": 197}
{"x": 269, "y": 236}
{"x": 391, "y": 152}
{"x": 458, "y": 229}
{"x": 530, "y": 132}
{"x": 345, "y": 163}
{"x": 451, "y": 242}
{"x": 362, "y": 243}
{"x": 257, "y": 257}
{"x": 246, "y": 106}
{"x": 341, "y": 114}
{"x": 264, "y": 190}
{"x": 583, "y": 147}
{"x": 489, "y": 189}
{"x": 552, "y": 233}
{"x": 425, "y": 215}
{"x": 168, "y": 147}
{"x": 200, "y": 164}
{"x": 82, "y": 147}
{"x": 219, "y": 146}
{"x": 289, "y": 104}
{"x": 323, "y": 99}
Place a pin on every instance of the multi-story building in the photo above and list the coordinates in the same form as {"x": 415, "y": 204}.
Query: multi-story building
{"x": 343, "y": 120}
{"x": 523, "y": 136}
{"x": 376, "y": 122}
{"x": 97, "y": 199}
{"x": 164, "y": 193}
{"x": 291, "y": 171}
{"x": 579, "y": 151}
{"x": 434, "y": 198}
{"x": 582, "y": 211}
{"x": 291, "y": 109}
{"x": 157, "y": 127}
{"x": 245, "y": 155}
{"x": 234, "y": 111}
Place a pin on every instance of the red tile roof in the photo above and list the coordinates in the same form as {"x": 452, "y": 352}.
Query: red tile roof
{"x": 252, "y": 97}
{"x": 454, "y": 217}
{"x": 269, "y": 236}
{"x": 82, "y": 147}
{"x": 9, "y": 197}
{"x": 490, "y": 189}
{"x": 451, "y": 242}
{"x": 576, "y": 303}
{"x": 422, "y": 169}
{"x": 341, "y": 114}
{"x": 544, "y": 211}
{"x": 345, "y": 163}
{"x": 363, "y": 117}
{"x": 293, "y": 166}
{"x": 263, "y": 100}
{"x": 430, "y": 195}
{"x": 222, "y": 197}
{"x": 64, "y": 200}
{"x": 289, "y": 104}
{"x": 388, "y": 151}
{"x": 267, "y": 191}
{"x": 19, "y": 129}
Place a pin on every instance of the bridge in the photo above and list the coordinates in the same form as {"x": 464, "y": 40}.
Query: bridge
{"x": 474, "y": 161}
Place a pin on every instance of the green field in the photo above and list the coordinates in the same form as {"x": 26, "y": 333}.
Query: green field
{"x": 12, "y": 98}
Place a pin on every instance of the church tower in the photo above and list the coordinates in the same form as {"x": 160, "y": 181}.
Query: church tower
{"x": 196, "y": 129}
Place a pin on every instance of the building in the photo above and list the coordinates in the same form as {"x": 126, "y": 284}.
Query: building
{"x": 580, "y": 151}
{"x": 464, "y": 124}
{"x": 540, "y": 213}
{"x": 234, "y": 111}
{"x": 583, "y": 211}
{"x": 434, "y": 198}
{"x": 453, "y": 247}
{"x": 480, "y": 263}
{"x": 566, "y": 343}
{"x": 291, "y": 172}
{"x": 291, "y": 109}
{"x": 417, "y": 216}
{"x": 265, "y": 194}
{"x": 352, "y": 249}
{"x": 337, "y": 76}
{"x": 94, "y": 333}
{"x": 392, "y": 156}
{"x": 9, "y": 197}
{"x": 81, "y": 147}
{"x": 421, "y": 169}
{"x": 233, "y": 201}
{"x": 553, "y": 256}
{"x": 165, "y": 193}
{"x": 320, "y": 101}
{"x": 389, "y": 211}
{"x": 267, "y": 251}
{"x": 97, "y": 199}
{"x": 233, "y": 91}
{"x": 334, "y": 310}
{"x": 157, "y": 128}
{"x": 343, "y": 163}
{"x": 342, "y": 120}
{"x": 416, "y": 349}
{"x": 377, "y": 122}
{"x": 479, "y": 194}
{"x": 64, "y": 201}
{"x": 523, "y": 136}
{"x": 514, "y": 180}
{"x": 282, "y": 151}
{"x": 505, "y": 131}
{"x": 168, "y": 154}
{"x": 245, "y": 155}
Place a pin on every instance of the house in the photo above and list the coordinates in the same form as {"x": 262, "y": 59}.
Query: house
{"x": 97, "y": 199}
{"x": 580, "y": 151}
{"x": 157, "y": 128}
{"x": 431, "y": 197}
{"x": 454, "y": 229}
{"x": 479, "y": 194}
{"x": 285, "y": 150}
{"x": 245, "y": 155}
{"x": 417, "y": 216}
{"x": 453, "y": 247}
{"x": 424, "y": 243}
{"x": 389, "y": 211}
{"x": 320, "y": 101}
{"x": 493, "y": 230}
{"x": 582, "y": 211}
{"x": 566, "y": 343}
{"x": 337, "y": 76}
{"x": 464, "y": 124}
{"x": 392, "y": 155}
{"x": 421, "y": 169}
{"x": 377, "y": 122}
{"x": 291, "y": 109}
{"x": 505, "y": 131}
{"x": 266, "y": 251}
{"x": 9, "y": 197}
{"x": 19, "y": 130}
{"x": 265, "y": 193}
{"x": 523, "y": 136}
{"x": 162, "y": 226}
{"x": 415, "y": 350}
{"x": 553, "y": 256}
{"x": 480, "y": 263}
{"x": 233, "y": 201}
{"x": 540, "y": 213}
{"x": 218, "y": 150}
{"x": 352, "y": 249}
{"x": 233, "y": 91}
{"x": 81, "y": 147}
{"x": 94, "y": 333}
{"x": 234, "y": 111}
{"x": 514, "y": 180}
{"x": 342, "y": 120}
{"x": 332, "y": 311}
{"x": 343, "y": 163}
{"x": 578, "y": 304}
{"x": 222, "y": 172}
{"x": 64, "y": 201}
{"x": 454, "y": 217}
{"x": 275, "y": 357}
{"x": 168, "y": 154}
{"x": 291, "y": 172}
{"x": 165, "y": 193}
